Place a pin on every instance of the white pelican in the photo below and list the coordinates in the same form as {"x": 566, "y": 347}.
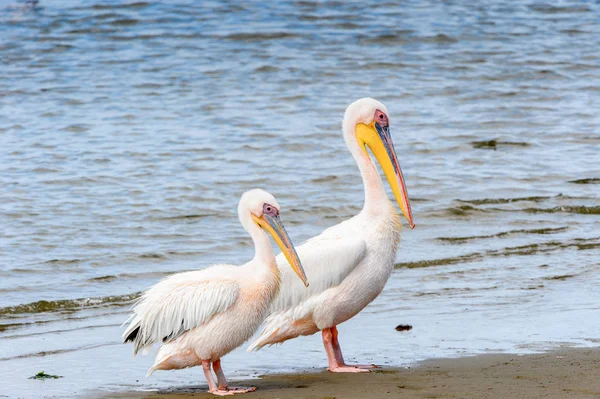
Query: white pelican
{"x": 202, "y": 315}
{"x": 349, "y": 263}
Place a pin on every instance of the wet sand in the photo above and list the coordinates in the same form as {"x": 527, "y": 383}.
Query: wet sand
{"x": 565, "y": 373}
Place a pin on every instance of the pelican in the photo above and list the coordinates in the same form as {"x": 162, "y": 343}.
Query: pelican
{"x": 349, "y": 263}
{"x": 202, "y": 315}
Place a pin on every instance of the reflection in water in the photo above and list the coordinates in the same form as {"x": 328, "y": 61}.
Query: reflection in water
{"x": 129, "y": 130}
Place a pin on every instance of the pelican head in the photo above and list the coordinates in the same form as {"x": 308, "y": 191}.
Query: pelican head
{"x": 366, "y": 124}
{"x": 263, "y": 209}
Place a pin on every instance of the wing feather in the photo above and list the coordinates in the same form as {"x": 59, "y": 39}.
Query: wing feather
{"x": 327, "y": 262}
{"x": 327, "y": 259}
{"x": 177, "y": 304}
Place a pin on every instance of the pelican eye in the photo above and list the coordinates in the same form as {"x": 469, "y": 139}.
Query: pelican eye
{"x": 381, "y": 119}
{"x": 270, "y": 210}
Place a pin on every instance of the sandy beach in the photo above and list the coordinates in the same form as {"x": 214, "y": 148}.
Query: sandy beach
{"x": 564, "y": 373}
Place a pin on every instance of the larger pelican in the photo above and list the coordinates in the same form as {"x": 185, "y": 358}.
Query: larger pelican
{"x": 202, "y": 315}
{"x": 349, "y": 263}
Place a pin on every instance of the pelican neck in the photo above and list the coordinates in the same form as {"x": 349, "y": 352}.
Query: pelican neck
{"x": 376, "y": 199}
{"x": 263, "y": 251}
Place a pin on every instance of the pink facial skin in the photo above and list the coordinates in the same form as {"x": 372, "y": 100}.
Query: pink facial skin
{"x": 270, "y": 210}
{"x": 381, "y": 119}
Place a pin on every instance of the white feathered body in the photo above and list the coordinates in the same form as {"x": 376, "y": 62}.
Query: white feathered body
{"x": 348, "y": 266}
{"x": 205, "y": 314}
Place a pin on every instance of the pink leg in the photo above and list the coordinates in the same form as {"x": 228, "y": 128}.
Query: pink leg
{"x": 340, "y": 357}
{"x": 335, "y": 356}
{"x": 209, "y": 378}
{"x": 336, "y": 361}
{"x": 336, "y": 345}
{"x": 223, "y": 388}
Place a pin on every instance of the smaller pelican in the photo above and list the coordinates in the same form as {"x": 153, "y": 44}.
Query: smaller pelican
{"x": 202, "y": 315}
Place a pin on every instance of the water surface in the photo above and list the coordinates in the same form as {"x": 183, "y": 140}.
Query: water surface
{"x": 128, "y": 131}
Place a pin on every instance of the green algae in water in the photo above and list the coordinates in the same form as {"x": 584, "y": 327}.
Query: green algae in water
{"x": 583, "y": 247}
{"x": 581, "y": 244}
{"x": 440, "y": 262}
{"x": 463, "y": 210}
{"x": 102, "y": 279}
{"x": 43, "y": 376}
{"x": 593, "y": 180}
{"x": 485, "y": 201}
{"x": 578, "y": 209}
{"x": 70, "y": 304}
{"x": 494, "y": 144}
{"x": 561, "y": 278}
{"x": 461, "y": 240}
{"x": 4, "y": 327}
{"x": 63, "y": 261}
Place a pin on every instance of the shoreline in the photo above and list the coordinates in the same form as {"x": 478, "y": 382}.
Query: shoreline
{"x": 560, "y": 373}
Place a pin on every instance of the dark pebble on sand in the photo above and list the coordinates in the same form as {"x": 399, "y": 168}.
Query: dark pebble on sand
{"x": 403, "y": 327}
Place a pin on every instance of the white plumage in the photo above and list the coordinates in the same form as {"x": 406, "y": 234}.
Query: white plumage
{"x": 349, "y": 263}
{"x": 181, "y": 303}
{"x": 200, "y": 316}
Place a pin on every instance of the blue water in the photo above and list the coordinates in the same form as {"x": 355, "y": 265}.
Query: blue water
{"x": 128, "y": 131}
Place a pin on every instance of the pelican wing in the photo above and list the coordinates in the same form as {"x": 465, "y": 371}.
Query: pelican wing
{"x": 327, "y": 259}
{"x": 327, "y": 262}
{"x": 177, "y": 304}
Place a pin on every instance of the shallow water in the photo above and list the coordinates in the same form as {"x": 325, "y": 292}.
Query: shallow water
{"x": 129, "y": 130}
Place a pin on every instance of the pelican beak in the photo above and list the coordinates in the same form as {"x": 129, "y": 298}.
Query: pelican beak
{"x": 274, "y": 227}
{"x": 379, "y": 141}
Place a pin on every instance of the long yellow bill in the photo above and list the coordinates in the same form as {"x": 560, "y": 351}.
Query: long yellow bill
{"x": 273, "y": 225}
{"x": 379, "y": 141}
